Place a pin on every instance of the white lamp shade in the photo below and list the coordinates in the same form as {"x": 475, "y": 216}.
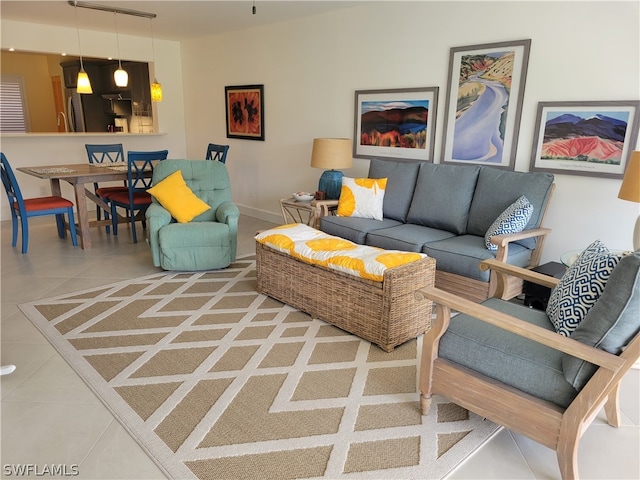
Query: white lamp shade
{"x": 83, "y": 85}
{"x": 331, "y": 153}
{"x": 121, "y": 77}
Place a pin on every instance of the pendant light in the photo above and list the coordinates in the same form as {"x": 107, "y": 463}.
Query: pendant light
{"x": 120, "y": 76}
{"x": 156, "y": 88}
{"x": 83, "y": 85}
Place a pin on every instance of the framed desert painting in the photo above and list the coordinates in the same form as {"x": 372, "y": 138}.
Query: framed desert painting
{"x": 585, "y": 138}
{"x": 395, "y": 123}
{"x": 484, "y": 103}
{"x": 244, "y": 107}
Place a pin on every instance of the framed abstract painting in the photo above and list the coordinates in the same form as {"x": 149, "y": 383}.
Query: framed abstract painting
{"x": 585, "y": 138}
{"x": 244, "y": 107}
{"x": 395, "y": 123}
{"x": 484, "y": 103}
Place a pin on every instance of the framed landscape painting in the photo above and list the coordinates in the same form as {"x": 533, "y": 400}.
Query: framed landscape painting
{"x": 585, "y": 138}
{"x": 484, "y": 103}
{"x": 395, "y": 123}
{"x": 244, "y": 107}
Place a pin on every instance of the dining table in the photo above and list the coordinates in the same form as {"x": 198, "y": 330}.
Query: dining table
{"x": 79, "y": 175}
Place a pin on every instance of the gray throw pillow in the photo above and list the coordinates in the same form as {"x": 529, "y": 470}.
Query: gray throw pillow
{"x": 612, "y": 322}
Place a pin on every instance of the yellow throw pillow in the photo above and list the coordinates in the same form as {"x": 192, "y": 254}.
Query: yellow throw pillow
{"x": 174, "y": 194}
{"x": 362, "y": 197}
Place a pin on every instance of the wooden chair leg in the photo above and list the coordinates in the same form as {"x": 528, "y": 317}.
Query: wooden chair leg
{"x": 425, "y": 404}
{"x": 567, "y": 449}
{"x": 612, "y": 407}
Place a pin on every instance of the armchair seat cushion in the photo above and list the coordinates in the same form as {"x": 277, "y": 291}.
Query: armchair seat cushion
{"x": 195, "y": 246}
{"x": 511, "y": 359}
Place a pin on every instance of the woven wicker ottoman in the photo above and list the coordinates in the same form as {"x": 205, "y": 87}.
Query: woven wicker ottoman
{"x": 386, "y": 313}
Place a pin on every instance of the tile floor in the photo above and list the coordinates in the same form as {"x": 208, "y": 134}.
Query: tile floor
{"x": 49, "y": 416}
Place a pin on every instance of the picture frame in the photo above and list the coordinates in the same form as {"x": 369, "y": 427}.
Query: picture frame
{"x": 593, "y": 138}
{"x": 244, "y": 109}
{"x": 483, "y": 129}
{"x": 396, "y": 123}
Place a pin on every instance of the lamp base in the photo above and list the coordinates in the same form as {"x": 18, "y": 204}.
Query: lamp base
{"x": 636, "y": 235}
{"x": 331, "y": 183}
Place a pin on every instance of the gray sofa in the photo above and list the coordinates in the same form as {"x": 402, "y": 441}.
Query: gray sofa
{"x": 444, "y": 211}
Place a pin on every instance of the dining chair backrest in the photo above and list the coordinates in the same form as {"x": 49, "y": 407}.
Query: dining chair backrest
{"x": 139, "y": 165}
{"x": 11, "y": 185}
{"x": 217, "y": 152}
{"x": 98, "y": 153}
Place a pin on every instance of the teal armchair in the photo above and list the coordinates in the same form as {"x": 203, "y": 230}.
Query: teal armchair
{"x": 207, "y": 242}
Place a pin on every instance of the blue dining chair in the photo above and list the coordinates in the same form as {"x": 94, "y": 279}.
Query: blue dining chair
{"x": 101, "y": 154}
{"x": 136, "y": 199}
{"x": 24, "y": 208}
{"x": 217, "y": 152}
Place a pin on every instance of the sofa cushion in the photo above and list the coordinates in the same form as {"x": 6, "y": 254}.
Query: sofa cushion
{"x": 612, "y": 322}
{"x": 407, "y": 237}
{"x": 353, "y": 228}
{"x": 497, "y": 189}
{"x": 401, "y": 183}
{"x": 580, "y": 287}
{"x": 514, "y": 360}
{"x": 362, "y": 197}
{"x": 442, "y": 197}
{"x": 462, "y": 255}
{"x": 512, "y": 220}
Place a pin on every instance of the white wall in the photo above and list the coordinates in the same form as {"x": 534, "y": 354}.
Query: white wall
{"x": 310, "y": 69}
{"x": 60, "y": 148}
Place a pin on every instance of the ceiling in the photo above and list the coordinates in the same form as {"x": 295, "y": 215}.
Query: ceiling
{"x": 176, "y": 20}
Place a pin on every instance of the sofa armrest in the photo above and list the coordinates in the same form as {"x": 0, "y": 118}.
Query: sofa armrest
{"x": 503, "y": 241}
{"x": 445, "y": 302}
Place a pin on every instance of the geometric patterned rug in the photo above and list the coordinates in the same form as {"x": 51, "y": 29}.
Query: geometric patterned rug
{"x": 214, "y": 381}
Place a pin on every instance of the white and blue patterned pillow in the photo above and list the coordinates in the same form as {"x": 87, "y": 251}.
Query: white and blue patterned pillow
{"x": 512, "y": 220}
{"x": 580, "y": 287}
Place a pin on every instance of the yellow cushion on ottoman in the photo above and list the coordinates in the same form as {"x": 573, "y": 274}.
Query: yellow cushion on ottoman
{"x": 174, "y": 194}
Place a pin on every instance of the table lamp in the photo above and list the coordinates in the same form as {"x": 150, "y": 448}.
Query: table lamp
{"x": 331, "y": 154}
{"x": 630, "y": 190}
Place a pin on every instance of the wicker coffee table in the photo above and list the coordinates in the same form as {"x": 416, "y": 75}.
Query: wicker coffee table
{"x": 386, "y": 313}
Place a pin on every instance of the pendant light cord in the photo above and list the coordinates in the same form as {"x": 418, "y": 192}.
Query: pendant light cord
{"x": 78, "y": 31}
{"x": 115, "y": 15}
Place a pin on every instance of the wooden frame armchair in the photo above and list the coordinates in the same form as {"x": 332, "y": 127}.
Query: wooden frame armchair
{"x": 504, "y": 400}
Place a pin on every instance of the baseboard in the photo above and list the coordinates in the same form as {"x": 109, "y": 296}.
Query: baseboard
{"x": 260, "y": 214}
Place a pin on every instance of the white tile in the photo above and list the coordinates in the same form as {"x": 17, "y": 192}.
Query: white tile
{"x": 50, "y": 433}
{"x": 117, "y": 455}
{"x": 498, "y": 458}
{"x": 54, "y": 382}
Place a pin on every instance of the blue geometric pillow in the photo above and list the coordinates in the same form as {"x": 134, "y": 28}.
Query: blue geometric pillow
{"x": 580, "y": 287}
{"x": 512, "y": 220}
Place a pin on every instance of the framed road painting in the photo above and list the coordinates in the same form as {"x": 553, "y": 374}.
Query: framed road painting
{"x": 484, "y": 103}
{"x": 395, "y": 123}
{"x": 585, "y": 138}
{"x": 244, "y": 107}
